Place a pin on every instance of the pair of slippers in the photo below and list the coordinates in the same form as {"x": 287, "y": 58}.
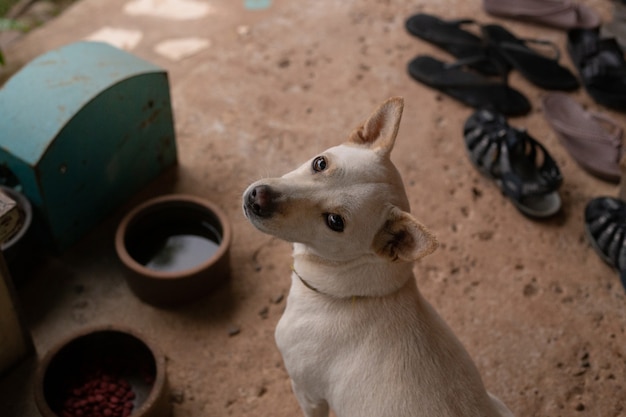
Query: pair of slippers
{"x": 601, "y": 65}
{"x": 494, "y": 53}
{"x": 593, "y": 139}
{"x": 522, "y": 167}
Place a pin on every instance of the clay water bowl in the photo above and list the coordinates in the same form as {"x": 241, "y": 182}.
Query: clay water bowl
{"x": 102, "y": 371}
{"x": 175, "y": 249}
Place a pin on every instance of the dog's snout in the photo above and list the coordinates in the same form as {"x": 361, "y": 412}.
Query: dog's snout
{"x": 260, "y": 200}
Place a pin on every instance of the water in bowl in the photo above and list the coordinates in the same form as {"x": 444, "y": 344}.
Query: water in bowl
{"x": 179, "y": 250}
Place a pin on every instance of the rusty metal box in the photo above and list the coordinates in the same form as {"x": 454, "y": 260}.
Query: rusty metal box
{"x": 82, "y": 128}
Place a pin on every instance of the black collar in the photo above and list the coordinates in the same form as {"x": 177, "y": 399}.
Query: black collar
{"x": 312, "y": 288}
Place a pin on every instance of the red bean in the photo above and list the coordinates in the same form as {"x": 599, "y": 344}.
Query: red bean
{"x": 99, "y": 395}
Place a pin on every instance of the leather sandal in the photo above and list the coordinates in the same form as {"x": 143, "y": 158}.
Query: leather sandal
{"x": 560, "y": 14}
{"x": 515, "y": 161}
{"x": 593, "y": 139}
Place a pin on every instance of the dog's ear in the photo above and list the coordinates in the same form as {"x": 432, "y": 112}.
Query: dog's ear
{"x": 380, "y": 130}
{"x": 402, "y": 238}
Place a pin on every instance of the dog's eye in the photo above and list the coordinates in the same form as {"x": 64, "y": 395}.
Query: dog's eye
{"x": 335, "y": 222}
{"x": 319, "y": 164}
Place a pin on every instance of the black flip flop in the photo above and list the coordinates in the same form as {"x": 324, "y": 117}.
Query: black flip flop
{"x": 605, "y": 226}
{"x": 601, "y": 65}
{"x": 539, "y": 69}
{"x": 467, "y": 87}
{"x": 449, "y": 36}
{"x": 519, "y": 164}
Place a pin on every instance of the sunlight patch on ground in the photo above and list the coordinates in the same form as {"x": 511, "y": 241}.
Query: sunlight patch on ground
{"x": 169, "y": 9}
{"x": 121, "y": 38}
{"x": 177, "y": 49}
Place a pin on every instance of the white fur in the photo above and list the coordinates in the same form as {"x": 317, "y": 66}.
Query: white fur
{"x": 357, "y": 336}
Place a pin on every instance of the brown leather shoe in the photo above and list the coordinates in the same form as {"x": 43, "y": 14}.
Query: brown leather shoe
{"x": 561, "y": 14}
{"x": 593, "y": 139}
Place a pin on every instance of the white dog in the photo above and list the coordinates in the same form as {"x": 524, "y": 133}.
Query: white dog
{"x": 357, "y": 337}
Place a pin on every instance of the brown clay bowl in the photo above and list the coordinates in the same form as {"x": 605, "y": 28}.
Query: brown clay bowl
{"x": 102, "y": 371}
{"x": 175, "y": 249}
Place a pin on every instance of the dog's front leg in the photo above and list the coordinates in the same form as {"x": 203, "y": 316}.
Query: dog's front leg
{"x": 310, "y": 407}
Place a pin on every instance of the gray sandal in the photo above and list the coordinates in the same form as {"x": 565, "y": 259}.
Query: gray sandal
{"x": 593, "y": 139}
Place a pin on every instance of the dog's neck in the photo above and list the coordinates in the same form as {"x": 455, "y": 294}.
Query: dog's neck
{"x": 365, "y": 276}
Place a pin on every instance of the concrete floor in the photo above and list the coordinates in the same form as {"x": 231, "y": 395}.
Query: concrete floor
{"x": 258, "y": 91}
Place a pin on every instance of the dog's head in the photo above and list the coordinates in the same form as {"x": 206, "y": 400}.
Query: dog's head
{"x": 346, "y": 202}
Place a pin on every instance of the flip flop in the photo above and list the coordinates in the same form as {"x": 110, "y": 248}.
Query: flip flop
{"x": 593, "y": 139}
{"x": 605, "y": 227}
{"x": 601, "y": 65}
{"x": 450, "y": 36}
{"x": 561, "y": 14}
{"x": 467, "y": 87}
{"x": 516, "y": 162}
{"x": 539, "y": 69}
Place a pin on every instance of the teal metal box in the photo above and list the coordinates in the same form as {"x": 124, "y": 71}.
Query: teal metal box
{"x": 82, "y": 128}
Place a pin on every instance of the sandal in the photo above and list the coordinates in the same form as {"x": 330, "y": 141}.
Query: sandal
{"x": 593, "y": 139}
{"x": 560, "y": 14}
{"x": 449, "y": 36}
{"x": 605, "y": 227}
{"x": 601, "y": 65}
{"x": 467, "y": 87}
{"x": 539, "y": 69}
{"x": 521, "y": 166}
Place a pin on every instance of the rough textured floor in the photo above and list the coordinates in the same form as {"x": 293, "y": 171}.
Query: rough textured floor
{"x": 260, "y": 92}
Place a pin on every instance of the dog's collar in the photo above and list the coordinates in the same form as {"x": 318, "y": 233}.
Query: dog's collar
{"x": 312, "y": 288}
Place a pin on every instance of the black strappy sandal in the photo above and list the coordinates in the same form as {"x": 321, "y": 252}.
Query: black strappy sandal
{"x": 450, "y": 36}
{"x": 601, "y": 65}
{"x": 542, "y": 70}
{"x": 521, "y": 166}
{"x": 605, "y": 226}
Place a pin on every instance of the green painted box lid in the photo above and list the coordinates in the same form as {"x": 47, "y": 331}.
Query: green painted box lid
{"x": 83, "y": 128}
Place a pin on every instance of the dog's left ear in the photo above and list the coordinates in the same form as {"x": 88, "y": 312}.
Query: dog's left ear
{"x": 380, "y": 130}
{"x": 402, "y": 238}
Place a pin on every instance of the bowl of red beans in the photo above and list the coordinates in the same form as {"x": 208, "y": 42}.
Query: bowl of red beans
{"x": 102, "y": 372}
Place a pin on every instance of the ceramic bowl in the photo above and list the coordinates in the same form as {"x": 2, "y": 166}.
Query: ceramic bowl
{"x": 20, "y": 249}
{"x": 102, "y": 371}
{"x": 175, "y": 249}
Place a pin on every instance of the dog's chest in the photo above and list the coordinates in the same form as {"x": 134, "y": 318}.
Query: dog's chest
{"x": 312, "y": 336}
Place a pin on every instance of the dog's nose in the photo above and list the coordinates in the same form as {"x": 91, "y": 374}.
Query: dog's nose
{"x": 260, "y": 200}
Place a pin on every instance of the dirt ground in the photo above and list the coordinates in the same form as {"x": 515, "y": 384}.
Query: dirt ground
{"x": 543, "y": 317}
